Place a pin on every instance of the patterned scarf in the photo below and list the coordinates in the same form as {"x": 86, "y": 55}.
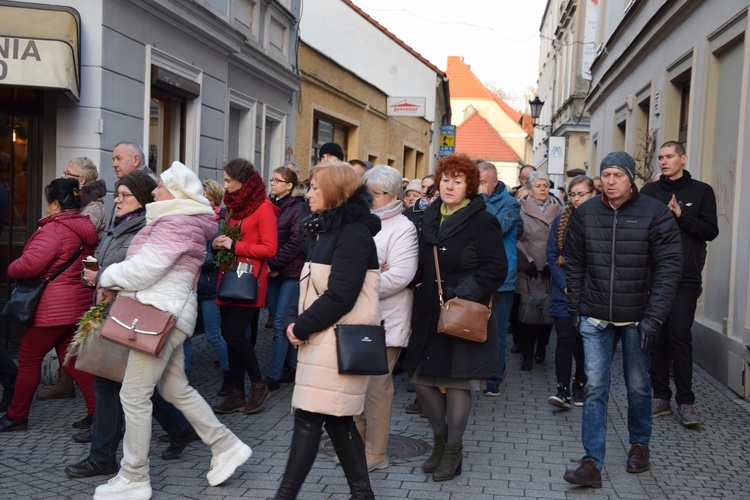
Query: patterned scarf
{"x": 246, "y": 199}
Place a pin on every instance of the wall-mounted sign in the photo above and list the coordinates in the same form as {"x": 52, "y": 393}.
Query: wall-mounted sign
{"x": 556, "y": 157}
{"x": 447, "y": 140}
{"x": 406, "y": 106}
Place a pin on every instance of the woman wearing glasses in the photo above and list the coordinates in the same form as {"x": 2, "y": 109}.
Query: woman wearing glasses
{"x": 569, "y": 344}
{"x": 284, "y": 268}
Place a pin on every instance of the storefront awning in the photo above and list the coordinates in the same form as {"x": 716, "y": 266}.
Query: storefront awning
{"x": 40, "y": 47}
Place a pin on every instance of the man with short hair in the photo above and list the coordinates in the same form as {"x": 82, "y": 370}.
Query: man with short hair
{"x": 523, "y": 173}
{"x": 508, "y": 212}
{"x": 360, "y": 166}
{"x": 626, "y": 249}
{"x": 128, "y": 156}
{"x": 598, "y": 183}
{"x": 693, "y": 206}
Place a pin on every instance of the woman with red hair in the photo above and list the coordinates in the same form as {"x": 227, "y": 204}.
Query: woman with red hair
{"x": 473, "y": 265}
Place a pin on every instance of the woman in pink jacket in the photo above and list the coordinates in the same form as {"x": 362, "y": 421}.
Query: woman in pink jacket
{"x": 59, "y": 238}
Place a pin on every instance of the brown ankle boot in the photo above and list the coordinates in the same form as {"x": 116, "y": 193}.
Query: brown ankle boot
{"x": 258, "y": 395}
{"x": 234, "y": 402}
{"x": 63, "y": 388}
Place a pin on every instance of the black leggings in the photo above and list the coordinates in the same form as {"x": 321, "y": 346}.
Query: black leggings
{"x": 569, "y": 346}
{"x": 241, "y": 353}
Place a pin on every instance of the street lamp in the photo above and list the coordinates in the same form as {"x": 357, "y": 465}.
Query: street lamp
{"x": 536, "y": 106}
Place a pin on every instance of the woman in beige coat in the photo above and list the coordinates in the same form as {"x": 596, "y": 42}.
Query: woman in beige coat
{"x": 339, "y": 285}
{"x": 538, "y": 211}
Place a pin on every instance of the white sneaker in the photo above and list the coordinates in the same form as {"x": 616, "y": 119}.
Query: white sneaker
{"x": 120, "y": 488}
{"x": 224, "y": 464}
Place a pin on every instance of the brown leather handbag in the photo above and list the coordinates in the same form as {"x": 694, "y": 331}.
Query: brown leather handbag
{"x": 460, "y": 318}
{"x": 139, "y": 326}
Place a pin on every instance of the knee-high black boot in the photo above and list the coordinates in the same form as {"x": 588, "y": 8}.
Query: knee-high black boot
{"x": 305, "y": 442}
{"x": 351, "y": 451}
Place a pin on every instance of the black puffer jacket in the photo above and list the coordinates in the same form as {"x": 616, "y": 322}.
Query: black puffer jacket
{"x": 289, "y": 258}
{"x": 697, "y": 222}
{"x": 622, "y": 264}
{"x": 472, "y": 265}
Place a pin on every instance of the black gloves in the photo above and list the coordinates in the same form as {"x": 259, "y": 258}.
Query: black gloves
{"x": 649, "y": 329}
{"x": 546, "y": 272}
{"x": 576, "y": 319}
{"x": 532, "y": 271}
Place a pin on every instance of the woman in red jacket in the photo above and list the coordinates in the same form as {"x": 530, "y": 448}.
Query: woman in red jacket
{"x": 59, "y": 237}
{"x": 249, "y": 207}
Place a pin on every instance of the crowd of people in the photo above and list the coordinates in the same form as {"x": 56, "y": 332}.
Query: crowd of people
{"x": 358, "y": 244}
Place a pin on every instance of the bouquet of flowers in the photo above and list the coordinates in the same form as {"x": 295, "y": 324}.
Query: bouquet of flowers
{"x": 224, "y": 258}
{"x": 91, "y": 321}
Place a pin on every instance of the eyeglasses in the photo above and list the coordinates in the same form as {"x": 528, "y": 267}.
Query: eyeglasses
{"x": 121, "y": 196}
{"x": 66, "y": 175}
{"x": 279, "y": 181}
{"x": 578, "y": 195}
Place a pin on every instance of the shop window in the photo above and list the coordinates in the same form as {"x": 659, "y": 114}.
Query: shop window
{"x": 166, "y": 131}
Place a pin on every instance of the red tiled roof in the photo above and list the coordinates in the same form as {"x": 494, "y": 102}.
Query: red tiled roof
{"x": 476, "y": 138}
{"x": 394, "y": 38}
{"x": 466, "y": 85}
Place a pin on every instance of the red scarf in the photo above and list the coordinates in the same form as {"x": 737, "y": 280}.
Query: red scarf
{"x": 246, "y": 199}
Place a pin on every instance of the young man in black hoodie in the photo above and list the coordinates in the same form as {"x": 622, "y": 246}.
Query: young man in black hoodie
{"x": 693, "y": 205}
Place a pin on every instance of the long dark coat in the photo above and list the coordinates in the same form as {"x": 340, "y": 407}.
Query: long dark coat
{"x": 472, "y": 265}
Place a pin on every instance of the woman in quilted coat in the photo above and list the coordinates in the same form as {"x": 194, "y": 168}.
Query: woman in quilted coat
{"x": 340, "y": 283}
{"x": 61, "y": 235}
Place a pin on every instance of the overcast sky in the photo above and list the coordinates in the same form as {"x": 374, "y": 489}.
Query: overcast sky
{"x": 499, "y": 39}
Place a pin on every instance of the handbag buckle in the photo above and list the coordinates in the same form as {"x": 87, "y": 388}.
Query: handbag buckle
{"x": 244, "y": 268}
{"x": 131, "y": 335}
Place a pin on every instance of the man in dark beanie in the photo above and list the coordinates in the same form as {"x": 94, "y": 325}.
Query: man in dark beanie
{"x": 627, "y": 250}
{"x": 140, "y": 184}
{"x": 330, "y": 151}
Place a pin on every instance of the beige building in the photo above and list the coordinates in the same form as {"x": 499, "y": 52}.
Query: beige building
{"x": 335, "y": 105}
{"x": 678, "y": 70}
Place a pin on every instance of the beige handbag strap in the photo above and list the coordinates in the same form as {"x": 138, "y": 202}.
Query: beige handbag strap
{"x": 439, "y": 281}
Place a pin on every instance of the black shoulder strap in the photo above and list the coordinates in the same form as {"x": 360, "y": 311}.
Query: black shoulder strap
{"x": 62, "y": 268}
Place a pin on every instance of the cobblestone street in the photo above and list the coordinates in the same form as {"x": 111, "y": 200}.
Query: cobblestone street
{"x": 516, "y": 446}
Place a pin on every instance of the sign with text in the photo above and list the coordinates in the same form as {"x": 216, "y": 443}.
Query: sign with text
{"x": 447, "y": 140}
{"x": 556, "y": 158}
{"x": 406, "y": 106}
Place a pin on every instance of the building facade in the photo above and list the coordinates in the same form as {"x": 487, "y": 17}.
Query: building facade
{"x": 566, "y": 50}
{"x": 199, "y": 81}
{"x": 679, "y": 70}
{"x": 365, "y": 89}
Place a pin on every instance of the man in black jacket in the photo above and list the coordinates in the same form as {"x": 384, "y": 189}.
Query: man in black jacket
{"x": 693, "y": 206}
{"x": 626, "y": 249}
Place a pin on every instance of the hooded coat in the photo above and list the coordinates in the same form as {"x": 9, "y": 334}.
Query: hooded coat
{"x": 58, "y": 238}
{"x": 471, "y": 268}
{"x": 340, "y": 284}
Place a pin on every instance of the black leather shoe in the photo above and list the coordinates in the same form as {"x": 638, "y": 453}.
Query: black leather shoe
{"x": 90, "y": 468}
{"x": 84, "y": 423}
{"x": 272, "y": 384}
{"x": 585, "y": 475}
{"x": 177, "y": 446}
{"x": 637, "y": 459}
{"x": 8, "y": 424}
{"x": 86, "y": 436}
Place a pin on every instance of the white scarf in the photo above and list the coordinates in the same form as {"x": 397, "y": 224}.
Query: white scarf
{"x": 176, "y": 207}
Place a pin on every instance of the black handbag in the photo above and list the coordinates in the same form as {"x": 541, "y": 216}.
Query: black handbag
{"x": 23, "y": 301}
{"x": 360, "y": 349}
{"x": 240, "y": 286}
{"x": 533, "y": 309}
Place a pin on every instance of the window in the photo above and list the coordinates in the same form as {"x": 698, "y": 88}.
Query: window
{"x": 327, "y": 130}
{"x": 684, "y": 111}
{"x": 166, "y": 130}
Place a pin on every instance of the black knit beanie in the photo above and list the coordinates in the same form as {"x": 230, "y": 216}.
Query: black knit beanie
{"x": 331, "y": 148}
{"x": 140, "y": 184}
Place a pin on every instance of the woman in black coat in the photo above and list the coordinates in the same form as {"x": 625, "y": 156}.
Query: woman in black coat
{"x": 472, "y": 266}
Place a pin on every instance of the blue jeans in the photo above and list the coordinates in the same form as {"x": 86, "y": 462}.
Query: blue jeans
{"x": 109, "y": 420}
{"x": 599, "y": 345}
{"x": 281, "y": 291}
{"x": 212, "y": 327}
{"x": 501, "y": 312}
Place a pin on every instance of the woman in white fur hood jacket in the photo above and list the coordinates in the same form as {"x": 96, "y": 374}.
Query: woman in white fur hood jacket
{"x": 161, "y": 264}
